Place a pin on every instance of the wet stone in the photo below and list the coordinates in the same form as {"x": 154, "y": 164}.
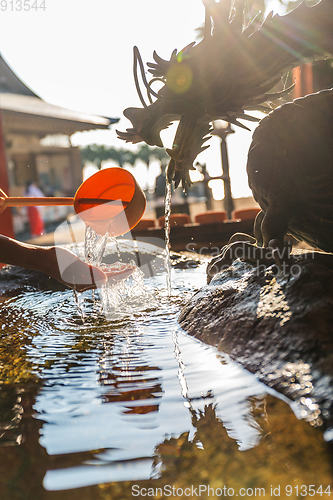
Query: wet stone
{"x": 278, "y": 327}
{"x": 15, "y": 280}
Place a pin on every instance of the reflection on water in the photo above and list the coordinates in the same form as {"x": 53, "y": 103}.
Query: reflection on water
{"x": 107, "y": 404}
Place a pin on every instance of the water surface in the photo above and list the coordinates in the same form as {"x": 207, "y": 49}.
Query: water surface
{"x": 97, "y": 407}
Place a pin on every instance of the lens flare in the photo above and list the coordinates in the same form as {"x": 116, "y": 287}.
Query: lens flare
{"x": 179, "y": 78}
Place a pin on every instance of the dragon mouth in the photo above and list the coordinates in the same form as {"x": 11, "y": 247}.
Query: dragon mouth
{"x": 189, "y": 141}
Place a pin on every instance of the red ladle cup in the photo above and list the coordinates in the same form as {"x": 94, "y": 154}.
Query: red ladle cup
{"x": 109, "y": 201}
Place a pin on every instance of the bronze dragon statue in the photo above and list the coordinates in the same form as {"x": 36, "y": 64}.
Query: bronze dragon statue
{"x": 229, "y": 73}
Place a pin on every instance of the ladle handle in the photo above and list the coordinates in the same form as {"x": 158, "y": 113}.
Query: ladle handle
{"x": 20, "y": 201}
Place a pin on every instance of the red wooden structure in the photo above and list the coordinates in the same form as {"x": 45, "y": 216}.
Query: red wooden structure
{"x": 6, "y": 221}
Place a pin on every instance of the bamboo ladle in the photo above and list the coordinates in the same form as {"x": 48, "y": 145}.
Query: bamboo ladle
{"x": 109, "y": 201}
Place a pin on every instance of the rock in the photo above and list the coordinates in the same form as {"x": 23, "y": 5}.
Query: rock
{"x": 15, "y": 280}
{"x": 278, "y": 327}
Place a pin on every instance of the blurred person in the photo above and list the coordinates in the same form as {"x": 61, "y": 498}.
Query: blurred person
{"x": 36, "y": 222}
{"x": 159, "y": 192}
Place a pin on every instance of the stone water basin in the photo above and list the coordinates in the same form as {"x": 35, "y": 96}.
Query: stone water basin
{"x": 125, "y": 405}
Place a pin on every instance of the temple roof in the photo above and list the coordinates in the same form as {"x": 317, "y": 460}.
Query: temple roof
{"x": 23, "y": 110}
{"x": 10, "y": 83}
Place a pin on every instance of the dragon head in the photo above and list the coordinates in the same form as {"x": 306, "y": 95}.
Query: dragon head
{"x": 227, "y": 73}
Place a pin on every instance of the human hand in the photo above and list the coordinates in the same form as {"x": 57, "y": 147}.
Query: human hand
{"x": 65, "y": 266}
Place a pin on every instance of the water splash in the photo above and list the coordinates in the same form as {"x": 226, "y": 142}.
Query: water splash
{"x": 125, "y": 286}
{"x": 167, "y": 213}
{"x": 121, "y": 297}
{"x": 94, "y": 246}
{"x": 79, "y": 304}
{"x": 115, "y": 241}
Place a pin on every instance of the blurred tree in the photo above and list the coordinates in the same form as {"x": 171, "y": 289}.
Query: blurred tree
{"x": 148, "y": 154}
{"x": 122, "y": 156}
{"x": 97, "y": 154}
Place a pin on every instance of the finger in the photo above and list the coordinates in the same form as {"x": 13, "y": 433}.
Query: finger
{"x": 118, "y": 273}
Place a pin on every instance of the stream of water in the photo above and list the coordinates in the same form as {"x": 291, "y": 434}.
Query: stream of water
{"x": 167, "y": 213}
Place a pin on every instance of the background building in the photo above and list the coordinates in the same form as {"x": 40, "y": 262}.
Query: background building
{"x": 36, "y": 140}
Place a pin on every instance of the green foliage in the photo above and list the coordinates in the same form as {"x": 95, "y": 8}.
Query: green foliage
{"x": 147, "y": 154}
{"x": 97, "y": 154}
